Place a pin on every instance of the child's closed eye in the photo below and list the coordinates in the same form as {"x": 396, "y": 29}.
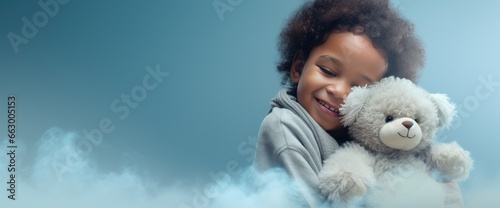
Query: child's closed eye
{"x": 328, "y": 71}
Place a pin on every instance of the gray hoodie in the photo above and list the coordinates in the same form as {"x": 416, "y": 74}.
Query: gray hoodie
{"x": 289, "y": 138}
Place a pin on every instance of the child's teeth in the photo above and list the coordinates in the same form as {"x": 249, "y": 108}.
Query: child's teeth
{"x": 328, "y": 107}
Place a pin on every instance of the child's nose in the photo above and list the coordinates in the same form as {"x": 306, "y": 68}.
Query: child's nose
{"x": 339, "y": 90}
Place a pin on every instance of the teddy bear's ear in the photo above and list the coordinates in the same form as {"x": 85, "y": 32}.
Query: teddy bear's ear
{"x": 353, "y": 104}
{"x": 446, "y": 109}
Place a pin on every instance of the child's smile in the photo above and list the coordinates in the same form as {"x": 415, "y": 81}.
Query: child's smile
{"x": 328, "y": 108}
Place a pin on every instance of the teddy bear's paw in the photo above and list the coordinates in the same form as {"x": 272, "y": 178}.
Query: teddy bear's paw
{"x": 453, "y": 161}
{"x": 343, "y": 187}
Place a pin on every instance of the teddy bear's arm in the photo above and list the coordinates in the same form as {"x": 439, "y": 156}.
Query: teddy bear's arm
{"x": 450, "y": 160}
{"x": 348, "y": 173}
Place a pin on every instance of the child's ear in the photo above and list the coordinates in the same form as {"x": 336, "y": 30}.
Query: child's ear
{"x": 297, "y": 66}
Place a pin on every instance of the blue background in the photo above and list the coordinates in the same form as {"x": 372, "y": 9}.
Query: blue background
{"x": 221, "y": 78}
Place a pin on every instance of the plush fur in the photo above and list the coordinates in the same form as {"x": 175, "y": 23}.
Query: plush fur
{"x": 393, "y": 124}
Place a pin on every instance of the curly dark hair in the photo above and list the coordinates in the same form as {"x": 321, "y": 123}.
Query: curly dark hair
{"x": 310, "y": 26}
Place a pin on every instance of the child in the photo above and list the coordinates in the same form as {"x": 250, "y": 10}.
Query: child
{"x": 327, "y": 47}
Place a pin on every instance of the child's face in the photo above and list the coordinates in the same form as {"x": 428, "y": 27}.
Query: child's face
{"x": 325, "y": 78}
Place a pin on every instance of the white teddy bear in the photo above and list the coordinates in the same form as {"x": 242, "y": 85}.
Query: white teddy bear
{"x": 392, "y": 153}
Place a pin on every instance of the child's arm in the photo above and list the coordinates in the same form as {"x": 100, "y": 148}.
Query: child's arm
{"x": 282, "y": 144}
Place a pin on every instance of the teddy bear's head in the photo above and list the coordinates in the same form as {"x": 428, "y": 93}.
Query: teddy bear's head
{"x": 395, "y": 114}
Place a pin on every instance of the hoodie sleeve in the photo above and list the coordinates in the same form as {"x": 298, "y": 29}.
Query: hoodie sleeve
{"x": 281, "y": 145}
{"x": 297, "y": 168}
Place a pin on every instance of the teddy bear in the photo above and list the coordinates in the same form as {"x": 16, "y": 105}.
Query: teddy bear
{"x": 392, "y": 159}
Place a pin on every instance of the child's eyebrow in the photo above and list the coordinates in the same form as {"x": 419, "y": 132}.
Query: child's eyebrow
{"x": 331, "y": 59}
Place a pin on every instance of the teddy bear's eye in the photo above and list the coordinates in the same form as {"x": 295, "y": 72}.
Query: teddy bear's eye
{"x": 388, "y": 119}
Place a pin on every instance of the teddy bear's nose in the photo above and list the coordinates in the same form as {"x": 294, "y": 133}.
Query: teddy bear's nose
{"x": 407, "y": 124}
